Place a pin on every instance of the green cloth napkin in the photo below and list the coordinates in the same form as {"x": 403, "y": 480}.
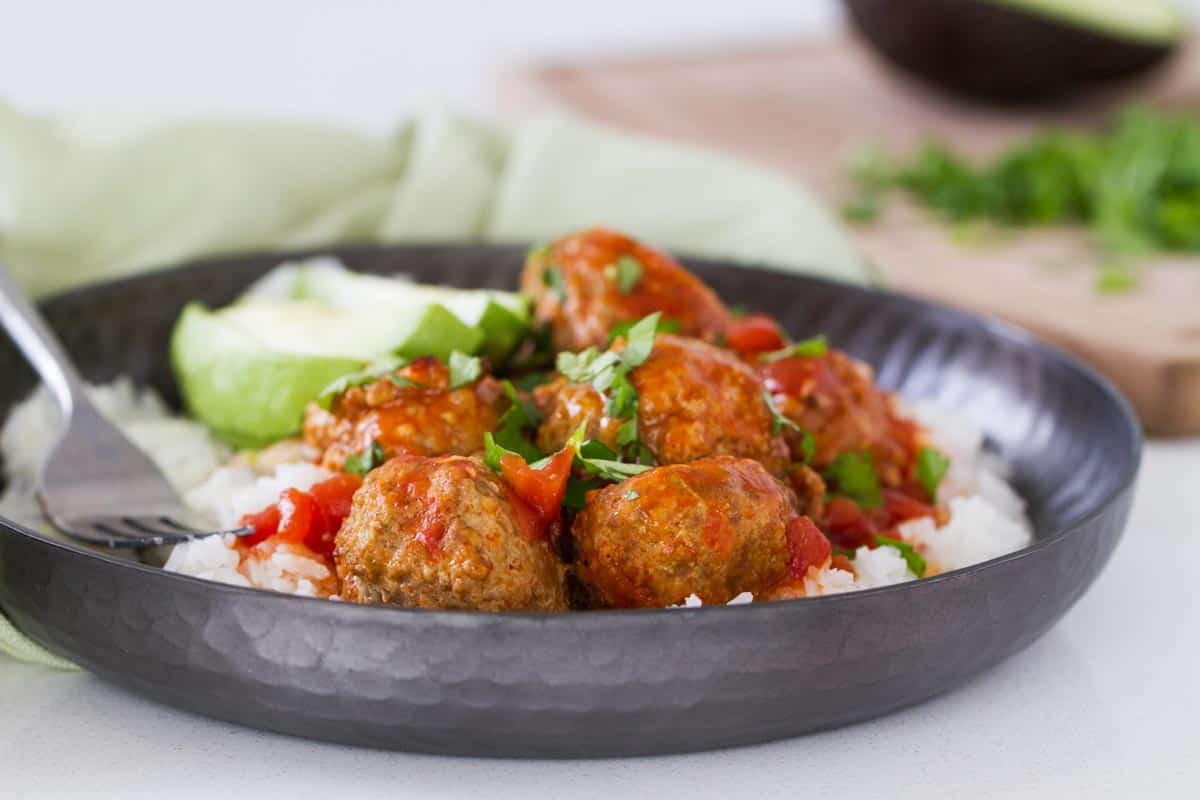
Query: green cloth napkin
{"x": 81, "y": 203}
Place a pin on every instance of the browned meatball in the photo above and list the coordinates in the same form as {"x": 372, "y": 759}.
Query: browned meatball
{"x": 835, "y": 398}
{"x": 715, "y": 528}
{"x": 445, "y": 532}
{"x": 420, "y": 415}
{"x": 588, "y": 293}
{"x": 694, "y": 400}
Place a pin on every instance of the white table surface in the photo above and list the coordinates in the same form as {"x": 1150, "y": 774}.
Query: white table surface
{"x": 1103, "y": 706}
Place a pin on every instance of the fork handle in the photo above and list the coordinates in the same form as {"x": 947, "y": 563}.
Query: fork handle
{"x": 33, "y": 336}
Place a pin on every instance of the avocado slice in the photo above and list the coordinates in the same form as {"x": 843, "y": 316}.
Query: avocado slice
{"x": 1020, "y": 51}
{"x": 247, "y": 371}
{"x": 502, "y": 317}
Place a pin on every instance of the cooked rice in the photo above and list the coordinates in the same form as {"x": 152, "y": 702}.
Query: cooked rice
{"x": 986, "y": 517}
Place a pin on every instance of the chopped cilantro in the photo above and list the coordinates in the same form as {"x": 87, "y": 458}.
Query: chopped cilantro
{"x": 362, "y": 463}
{"x": 493, "y": 452}
{"x": 640, "y": 341}
{"x": 931, "y": 468}
{"x": 808, "y": 446}
{"x": 853, "y": 475}
{"x": 778, "y": 420}
{"x": 531, "y": 381}
{"x": 809, "y": 348}
{"x": 577, "y": 489}
{"x": 598, "y": 460}
{"x": 665, "y": 325}
{"x": 626, "y": 273}
{"x": 520, "y": 416}
{"x": 372, "y": 372}
{"x": 632, "y": 495}
{"x": 464, "y": 369}
{"x": 845, "y": 552}
{"x": 552, "y": 278}
{"x": 915, "y": 561}
{"x": 628, "y": 432}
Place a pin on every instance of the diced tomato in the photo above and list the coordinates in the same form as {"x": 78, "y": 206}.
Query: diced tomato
{"x": 298, "y": 515}
{"x": 311, "y": 518}
{"x": 902, "y": 507}
{"x": 541, "y": 489}
{"x": 756, "y": 333}
{"x": 265, "y": 524}
{"x": 335, "y": 496}
{"x": 847, "y": 524}
{"x": 807, "y": 546}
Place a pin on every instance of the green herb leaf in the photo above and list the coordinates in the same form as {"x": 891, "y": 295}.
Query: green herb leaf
{"x": 587, "y": 366}
{"x": 932, "y": 466}
{"x": 552, "y": 278}
{"x": 369, "y": 374}
{"x": 639, "y": 342}
{"x": 809, "y": 348}
{"x": 914, "y": 560}
{"x": 853, "y": 475}
{"x": 520, "y": 417}
{"x": 464, "y": 369}
{"x": 808, "y": 446}
{"x": 362, "y": 463}
{"x": 778, "y": 420}
{"x": 844, "y": 552}
{"x": 628, "y": 432}
{"x": 665, "y": 325}
{"x": 577, "y": 489}
{"x": 532, "y": 380}
{"x": 494, "y": 452}
{"x": 632, "y": 495}
{"x": 626, "y": 273}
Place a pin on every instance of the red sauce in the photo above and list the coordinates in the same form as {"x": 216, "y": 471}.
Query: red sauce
{"x": 799, "y": 376}
{"x": 718, "y": 533}
{"x": 540, "y": 490}
{"x": 850, "y": 526}
{"x": 756, "y": 333}
{"x": 807, "y": 546}
{"x": 310, "y": 518}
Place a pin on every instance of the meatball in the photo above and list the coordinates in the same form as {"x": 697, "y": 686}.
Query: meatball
{"x": 445, "y": 532}
{"x": 588, "y": 292}
{"x": 412, "y": 411}
{"x": 834, "y": 397}
{"x": 715, "y": 528}
{"x": 694, "y": 400}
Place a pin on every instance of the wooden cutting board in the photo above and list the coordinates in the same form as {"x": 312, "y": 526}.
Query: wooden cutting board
{"x": 803, "y": 106}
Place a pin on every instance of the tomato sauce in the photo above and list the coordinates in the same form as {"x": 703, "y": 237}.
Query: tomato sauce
{"x": 310, "y": 518}
{"x": 537, "y": 493}
{"x": 807, "y": 546}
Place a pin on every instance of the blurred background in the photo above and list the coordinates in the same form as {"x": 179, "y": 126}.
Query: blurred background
{"x": 1034, "y": 159}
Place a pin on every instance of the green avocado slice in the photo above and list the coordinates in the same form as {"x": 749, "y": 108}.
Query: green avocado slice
{"x": 502, "y": 317}
{"x": 247, "y": 371}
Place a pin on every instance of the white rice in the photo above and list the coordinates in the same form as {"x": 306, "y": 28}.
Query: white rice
{"x": 986, "y": 517}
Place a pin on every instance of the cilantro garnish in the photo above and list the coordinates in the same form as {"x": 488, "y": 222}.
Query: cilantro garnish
{"x": 464, "y": 369}
{"x": 809, "y": 348}
{"x": 665, "y": 325}
{"x": 932, "y": 466}
{"x": 598, "y": 459}
{"x": 577, "y": 489}
{"x": 552, "y": 278}
{"x": 520, "y": 416}
{"x": 626, "y": 273}
{"x": 915, "y": 561}
{"x": 853, "y": 474}
{"x": 372, "y": 372}
{"x": 778, "y": 420}
{"x": 808, "y": 446}
{"x": 608, "y": 372}
{"x": 362, "y": 463}
{"x": 632, "y": 495}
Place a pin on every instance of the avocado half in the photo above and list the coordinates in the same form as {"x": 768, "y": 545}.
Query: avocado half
{"x": 1020, "y": 51}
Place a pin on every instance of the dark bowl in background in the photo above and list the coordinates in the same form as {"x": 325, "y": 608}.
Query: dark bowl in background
{"x": 987, "y": 51}
{"x": 596, "y": 683}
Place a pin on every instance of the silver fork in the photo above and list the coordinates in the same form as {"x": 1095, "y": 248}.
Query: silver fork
{"x": 96, "y": 486}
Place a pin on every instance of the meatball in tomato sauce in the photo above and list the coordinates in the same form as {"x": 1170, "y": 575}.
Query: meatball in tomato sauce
{"x": 411, "y": 411}
{"x": 585, "y": 284}
{"x": 715, "y": 528}
{"x": 834, "y": 398}
{"x": 694, "y": 401}
{"x": 446, "y": 532}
